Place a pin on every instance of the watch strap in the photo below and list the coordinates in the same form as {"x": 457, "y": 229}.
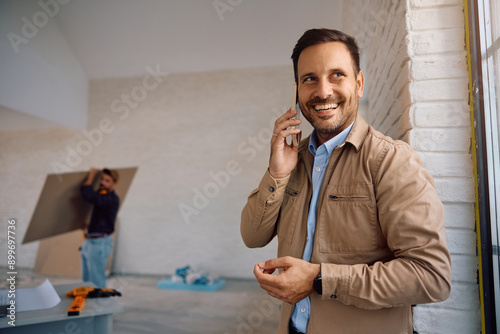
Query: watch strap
{"x": 318, "y": 285}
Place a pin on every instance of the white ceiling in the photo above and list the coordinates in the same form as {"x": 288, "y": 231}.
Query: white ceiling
{"x": 120, "y": 38}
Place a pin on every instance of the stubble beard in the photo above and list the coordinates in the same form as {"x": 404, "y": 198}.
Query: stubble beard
{"x": 329, "y": 125}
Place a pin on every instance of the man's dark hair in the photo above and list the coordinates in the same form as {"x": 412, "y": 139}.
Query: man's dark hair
{"x": 318, "y": 36}
{"x": 113, "y": 173}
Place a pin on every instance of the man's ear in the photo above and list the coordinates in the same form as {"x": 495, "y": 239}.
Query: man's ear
{"x": 360, "y": 81}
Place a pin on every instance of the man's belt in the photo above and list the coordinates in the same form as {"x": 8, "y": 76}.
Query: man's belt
{"x": 97, "y": 236}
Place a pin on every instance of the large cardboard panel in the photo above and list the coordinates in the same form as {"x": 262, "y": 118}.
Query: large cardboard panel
{"x": 59, "y": 253}
{"x": 62, "y": 209}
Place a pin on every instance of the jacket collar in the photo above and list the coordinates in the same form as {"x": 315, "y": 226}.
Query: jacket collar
{"x": 358, "y": 133}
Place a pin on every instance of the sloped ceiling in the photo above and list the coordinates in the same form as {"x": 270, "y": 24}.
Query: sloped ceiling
{"x": 120, "y": 38}
{"x": 125, "y": 38}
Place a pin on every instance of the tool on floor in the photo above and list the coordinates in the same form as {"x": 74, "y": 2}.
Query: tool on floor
{"x": 81, "y": 293}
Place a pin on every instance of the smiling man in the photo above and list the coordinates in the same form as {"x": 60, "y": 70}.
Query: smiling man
{"x": 360, "y": 227}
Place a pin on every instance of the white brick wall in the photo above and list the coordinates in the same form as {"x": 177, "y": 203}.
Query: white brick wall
{"x": 191, "y": 126}
{"x": 417, "y": 90}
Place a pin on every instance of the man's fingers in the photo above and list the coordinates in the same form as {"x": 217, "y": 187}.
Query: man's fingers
{"x": 283, "y": 157}
{"x": 289, "y": 114}
{"x": 268, "y": 282}
{"x": 283, "y": 124}
{"x": 292, "y": 284}
{"x": 282, "y": 134}
{"x": 257, "y": 271}
{"x": 264, "y": 277}
{"x": 266, "y": 270}
{"x": 281, "y": 262}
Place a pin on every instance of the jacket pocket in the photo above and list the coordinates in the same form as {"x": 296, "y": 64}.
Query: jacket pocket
{"x": 289, "y": 213}
{"x": 348, "y": 219}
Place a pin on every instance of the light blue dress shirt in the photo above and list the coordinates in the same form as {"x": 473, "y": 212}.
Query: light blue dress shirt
{"x": 302, "y": 309}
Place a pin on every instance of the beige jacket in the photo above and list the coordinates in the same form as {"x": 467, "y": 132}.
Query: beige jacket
{"x": 380, "y": 234}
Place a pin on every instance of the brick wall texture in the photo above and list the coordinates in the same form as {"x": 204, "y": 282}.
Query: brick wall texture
{"x": 414, "y": 60}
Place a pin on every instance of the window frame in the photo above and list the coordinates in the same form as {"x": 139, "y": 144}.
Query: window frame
{"x": 483, "y": 45}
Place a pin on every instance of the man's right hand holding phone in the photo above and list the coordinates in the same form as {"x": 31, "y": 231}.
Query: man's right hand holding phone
{"x": 283, "y": 155}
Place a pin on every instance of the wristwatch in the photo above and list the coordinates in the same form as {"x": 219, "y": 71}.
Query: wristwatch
{"x": 317, "y": 285}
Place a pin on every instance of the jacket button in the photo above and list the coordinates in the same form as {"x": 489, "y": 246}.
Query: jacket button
{"x": 333, "y": 296}
{"x": 271, "y": 189}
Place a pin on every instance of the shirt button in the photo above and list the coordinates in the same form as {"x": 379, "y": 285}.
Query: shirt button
{"x": 318, "y": 169}
{"x": 303, "y": 309}
{"x": 271, "y": 189}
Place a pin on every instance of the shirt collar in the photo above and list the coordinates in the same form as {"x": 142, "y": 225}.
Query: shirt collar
{"x": 332, "y": 143}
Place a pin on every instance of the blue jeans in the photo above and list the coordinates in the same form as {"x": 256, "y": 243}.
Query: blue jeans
{"x": 95, "y": 253}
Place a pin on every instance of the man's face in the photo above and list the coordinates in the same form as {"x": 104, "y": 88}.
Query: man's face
{"x": 328, "y": 89}
{"x": 107, "y": 183}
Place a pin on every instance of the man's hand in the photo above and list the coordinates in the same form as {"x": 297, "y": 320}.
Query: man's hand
{"x": 283, "y": 156}
{"x": 294, "y": 283}
{"x": 93, "y": 172}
